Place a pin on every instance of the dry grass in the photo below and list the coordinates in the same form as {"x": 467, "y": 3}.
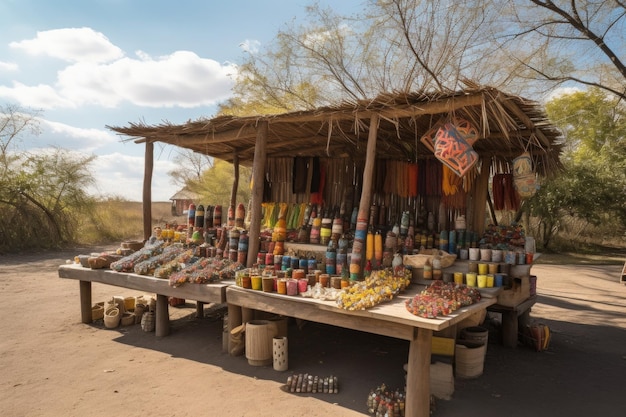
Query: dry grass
{"x": 116, "y": 220}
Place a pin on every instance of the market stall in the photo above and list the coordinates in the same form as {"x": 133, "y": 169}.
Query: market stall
{"x": 369, "y": 186}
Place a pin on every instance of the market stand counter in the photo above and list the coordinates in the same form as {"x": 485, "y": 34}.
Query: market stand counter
{"x": 387, "y": 319}
{"x": 202, "y": 293}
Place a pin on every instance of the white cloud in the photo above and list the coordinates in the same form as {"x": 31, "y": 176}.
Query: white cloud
{"x": 71, "y": 44}
{"x": 8, "y": 66}
{"x": 122, "y": 175}
{"x": 180, "y": 79}
{"x": 84, "y": 140}
{"x": 39, "y": 96}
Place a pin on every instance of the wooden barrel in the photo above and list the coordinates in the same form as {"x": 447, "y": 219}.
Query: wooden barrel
{"x": 259, "y": 343}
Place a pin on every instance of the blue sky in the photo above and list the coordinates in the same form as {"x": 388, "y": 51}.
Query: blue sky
{"x": 91, "y": 63}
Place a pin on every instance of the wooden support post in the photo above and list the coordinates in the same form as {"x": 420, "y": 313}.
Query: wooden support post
{"x": 247, "y": 314}
{"x": 147, "y": 190}
{"x": 258, "y": 173}
{"x": 479, "y": 199}
{"x": 418, "y": 374}
{"x": 234, "y": 320}
{"x": 199, "y": 309}
{"x": 85, "y": 301}
{"x": 162, "y": 327}
{"x": 233, "y": 192}
{"x": 366, "y": 193}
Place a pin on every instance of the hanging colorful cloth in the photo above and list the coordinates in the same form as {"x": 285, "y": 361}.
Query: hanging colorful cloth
{"x": 453, "y": 150}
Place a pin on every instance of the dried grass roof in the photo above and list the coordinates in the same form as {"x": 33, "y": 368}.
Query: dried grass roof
{"x": 508, "y": 124}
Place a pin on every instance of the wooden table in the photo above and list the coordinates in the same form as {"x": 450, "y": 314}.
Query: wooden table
{"x": 202, "y": 293}
{"x": 387, "y": 319}
{"x": 513, "y": 318}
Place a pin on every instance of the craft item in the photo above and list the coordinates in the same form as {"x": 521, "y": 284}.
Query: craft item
{"x": 453, "y": 150}
{"x": 324, "y": 280}
{"x": 281, "y": 286}
{"x": 481, "y": 279}
{"x": 280, "y": 353}
{"x": 470, "y": 279}
{"x": 191, "y": 215}
{"x": 217, "y": 216}
{"x": 490, "y": 280}
{"x": 524, "y": 178}
{"x": 292, "y": 287}
{"x": 267, "y": 284}
{"x": 208, "y": 217}
{"x": 331, "y": 260}
{"x": 240, "y": 215}
{"x": 498, "y": 280}
{"x": 258, "y": 345}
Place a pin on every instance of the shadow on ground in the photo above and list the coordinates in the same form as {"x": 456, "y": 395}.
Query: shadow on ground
{"x": 582, "y": 373}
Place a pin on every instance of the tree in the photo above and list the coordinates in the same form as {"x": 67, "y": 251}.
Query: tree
{"x": 42, "y": 196}
{"x": 191, "y": 165}
{"x": 594, "y": 125}
{"x": 564, "y": 42}
{"x": 593, "y": 187}
{"x": 396, "y": 45}
{"x": 215, "y": 184}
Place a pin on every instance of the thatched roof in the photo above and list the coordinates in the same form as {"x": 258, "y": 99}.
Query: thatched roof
{"x": 508, "y": 126}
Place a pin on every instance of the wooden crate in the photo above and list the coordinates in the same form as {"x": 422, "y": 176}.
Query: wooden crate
{"x": 442, "y": 346}
{"x": 519, "y": 291}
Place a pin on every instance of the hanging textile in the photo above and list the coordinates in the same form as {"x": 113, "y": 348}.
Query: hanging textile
{"x": 453, "y": 150}
{"x": 524, "y": 177}
{"x": 300, "y": 168}
{"x": 317, "y": 194}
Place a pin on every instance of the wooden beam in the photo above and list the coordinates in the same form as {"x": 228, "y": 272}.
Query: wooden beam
{"x": 147, "y": 190}
{"x": 526, "y": 120}
{"x": 233, "y": 192}
{"x": 479, "y": 198}
{"x": 258, "y": 172}
{"x": 366, "y": 193}
{"x": 428, "y": 107}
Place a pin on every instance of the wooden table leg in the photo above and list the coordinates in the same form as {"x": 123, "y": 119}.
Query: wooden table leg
{"x": 418, "y": 375}
{"x": 234, "y": 320}
{"x": 509, "y": 328}
{"x": 247, "y": 314}
{"x": 162, "y": 327}
{"x": 199, "y": 309}
{"x": 85, "y": 301}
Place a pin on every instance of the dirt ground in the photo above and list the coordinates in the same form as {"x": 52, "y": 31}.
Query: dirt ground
{"x": 53, "y": 365}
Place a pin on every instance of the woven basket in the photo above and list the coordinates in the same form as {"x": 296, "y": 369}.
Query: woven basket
{"x": 132, "y": 244}
{"x": 97, "y": 311}
{"x": 128, "y": 319}
{"x": 426, "y": 258}
{"x": 112, "y": 318}
{"x": 147, "y": 321}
